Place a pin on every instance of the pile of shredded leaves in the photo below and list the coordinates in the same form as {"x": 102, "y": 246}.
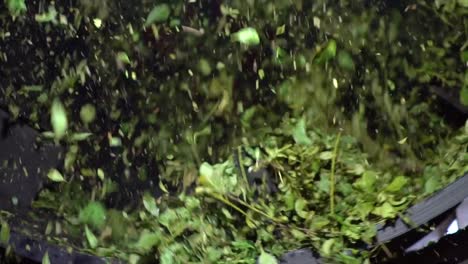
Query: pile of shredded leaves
{"x": 224, "y": 131}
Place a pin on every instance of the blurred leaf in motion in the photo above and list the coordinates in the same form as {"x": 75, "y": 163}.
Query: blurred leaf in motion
{"x": 397, "y": 183}
{"x": 55, "y": 175}
{"x": 266, "y": 258}
{"x": 300, "y": 133}
{"x": 4, "y": 233}
{"x": 58, "y": 118}
{"x": 94, "y": 214}
{"x": 46, "y": 259}
{"x": 158, "y": 14}
{"x": 328, "y": 53}
{"x": 87, "y": 113}
{"x": 16, "y": 7}
{"x": 92, "y": 240}
{"x": 247, "y": 36}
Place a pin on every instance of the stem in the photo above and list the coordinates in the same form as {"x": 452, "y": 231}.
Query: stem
{"x": 241, "y": 167}
{"x": 227, "y": 202}
{"x": 257, "y": 210}
{"x": 332, "y": 175}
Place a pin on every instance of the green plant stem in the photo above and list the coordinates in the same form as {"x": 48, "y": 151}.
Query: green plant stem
{"x": 241, "y": 167}
{"x": 257, "y": 210}
{"x": 227, "y": 202}
{"x": 332, "y": 175}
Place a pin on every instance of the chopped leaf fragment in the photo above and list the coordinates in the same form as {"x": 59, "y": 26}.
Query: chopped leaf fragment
{"x": 247, "y": 36}
{"x": 58, "y": 118}
{"x": 158, "y": 14}
{"x": 55, "y": 175}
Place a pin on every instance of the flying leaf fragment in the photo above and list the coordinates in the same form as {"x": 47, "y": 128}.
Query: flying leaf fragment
{"x": 4, "y": 233}
{"x": 55, "y": 175}
{"x": 97, "y": 22}
{"x": 58, "y": 118}
{"x": 300, "y": 134}
{"x": 247, "y": 36}
{"x": 123, "y": 57}
{"x": 402, "y": 141}
{"x": 16, "y": 7}
{"x": 80, "y": 136}
{"x": 267, "y": 258}
{"x": 327, "y": 53}
{"x": 150, "y": 204}
{"x": 100, "y": 174}
{"x": 160, "y": 13}
{"x": 94, "y": 214}
{"x": 397, "y": 184}
{"x": 45, "y": 258}
{"x": 327, "y": 246}
{"x": 92, "y": 240}
{"x": 147, "y": 241}
{"x": 280, "y": 30}
{"x": 87, "y": 113}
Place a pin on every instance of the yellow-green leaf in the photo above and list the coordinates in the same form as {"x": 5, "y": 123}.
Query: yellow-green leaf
{"x": 150, "y": 204}
{"x": 158, "y": 14}
{"x": 300, "y": 134}
{"x": 4, "y": 233}
{"x": 267, "y": 258}
{"x": 147, "y": 241}
{"x": 16, "y": 7}
{"x": 45, "y": 258}
{"x": 87, "y": 113}
{"x": 327, "y": 53}
{"x": 397, "y": 184}
{"x": 58, "y": 118}
{"x": 92, "y": 240}
{"x": 55, "y": 175}
{"x": 247, "y": 36}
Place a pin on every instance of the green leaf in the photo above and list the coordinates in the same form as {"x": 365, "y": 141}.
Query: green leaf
{"x": 432, "y": 184}
{"x": 215, "y": 178}
{"x": 80, "y": 136}
{"x": 167, "y": 257}
{"x": 147, "y": 241}
{"x": 247, "y": 36}
{"x": 92, "y": 240}
{"x": 299, "y": 206}
{"x": 115, "y": 141}
{"x": 266, "y": 258}
{"x": 300, "y": 133}
{"x": 94, "y": 214}
{"x": 50, "y": 16}
{"x": 367, "y": 181}
{"x": 55, "y": 175}
{"x": 327, "y": 246}
{"x": 280, "y": 30}
{"x": 45, "y": 258}
{"x": 463, "y": 3}
{"x": 464, "y": 95}
{"x": 58, "y": 118}
{"x": 326, "y": 155}
{"x": 397, "y": 183}
{"x": 204, "y": 67}
{"x": 100, "y": 174}
{"x": 328, "y": 53}
{"x": 345, "y": 60}
{"x": 160, "y": 13}
{"x": 16, "y": 7}
{"x": 386, "y": 211}
{"x": 123, "y": 57}
{"x": 97, "y": 22}
{"x": 87, "y": 113}
{"x": 150, "y": 204}
{"x": 4, "y": 233}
